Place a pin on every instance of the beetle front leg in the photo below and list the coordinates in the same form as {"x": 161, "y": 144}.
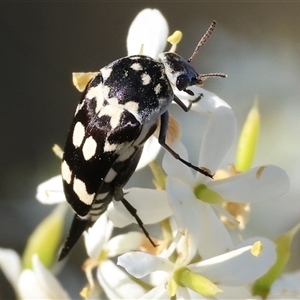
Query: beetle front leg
{"x": 183, "y": 106}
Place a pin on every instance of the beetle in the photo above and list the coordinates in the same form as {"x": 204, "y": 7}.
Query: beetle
{"x": 119, "y": 110}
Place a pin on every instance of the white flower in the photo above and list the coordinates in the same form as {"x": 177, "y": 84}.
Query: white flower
{"x": 184, "y": 189}
{"x": 101, "y": 248}
{"x": 98, "y": 240}
{"x": 207, "y": 277}
{"x": 51, "y": 191}
{"x": 286, "y": 287}
{"x": 38, "y": 283}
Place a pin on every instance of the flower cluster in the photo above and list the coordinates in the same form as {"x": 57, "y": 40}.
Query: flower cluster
{"x": 197, "y": 257}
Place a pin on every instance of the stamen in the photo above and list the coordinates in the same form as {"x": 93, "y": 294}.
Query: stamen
{"x": 174, "y": 39}
{"x": 141, "y": 49}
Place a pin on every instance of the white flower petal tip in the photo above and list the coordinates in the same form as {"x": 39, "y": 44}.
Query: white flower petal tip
{"x": 148, "y": 31}
{"x": 218, "y": 138}
{"x": 124, "y": 242}
{"x": 10, "y": 265}
{"x": 51, "y": 191}
{"x": 207, "y": 104}
{"x": 249, "y": 261}
{"x": 287, "y": 286}
{"x": 39, "y": 283}
{"x": 258, "y": 184}
{"x": 116, "y": 283}
{"x": 96, "y": 236}
{"x": 147, "y": 263}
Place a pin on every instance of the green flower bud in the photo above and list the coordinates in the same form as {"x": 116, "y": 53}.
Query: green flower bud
{"x": 262, "y": 286}
{"x": 248, "y": 139}
{"x": 199, "y": 284}
{"x": 205, "y": 194}
{"x": 45, "y": 239}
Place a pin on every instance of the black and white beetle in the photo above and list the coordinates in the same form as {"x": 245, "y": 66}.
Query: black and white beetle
{"x": 119, "y": 110}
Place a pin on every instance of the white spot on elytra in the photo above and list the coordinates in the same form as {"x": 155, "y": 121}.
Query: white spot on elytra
{"x": 79, "y": 188}
{"x": 95, "y": 92}
{"x": 136, "y": 66}
{"x": 105, "y": 91}
{"x": 132, "y": 107}
{"x": 114, "y": 112}
{"x": 146, "y": 79}
{"x": 78, "y": 134}
{"x": 157, "y": 88}
{"x": 89, "y": 148}
{"x": 106, "y": 72}
{"x": 66, "y": 172}
{"x": 110, "y": 147}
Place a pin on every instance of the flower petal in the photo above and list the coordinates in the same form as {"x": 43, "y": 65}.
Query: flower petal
{"x": 257, "y": 184}
{"x": 218, "y": 138}
{"x": 140, "y": 264}
{"x": 214, "y": 238}
{"x": 287, "y": 285}
{"x": 96, "y": 236}
{"x": 176, "y": 168}
{"x": 40, "y": 283}
{"x": 51, "y": 191}
{"x": 149, "y": 29}
{"x": 29, "y": 288}
{"x": 240, "y": 266}
{"x": 235, "y": 292}
{"x": 208, "y": 103}
{"x": 10, "y": 264}
{"x": 151, "y": 205}
{"x": 206, "y": 231}
{"x": 184, "y": 293}
{"x": 123, "y": 243}
{"x": 158, "y": 292}
{"x": 116, "y": 283}
{"x": 184, "y": 206}
{"x": 150, "y": 151}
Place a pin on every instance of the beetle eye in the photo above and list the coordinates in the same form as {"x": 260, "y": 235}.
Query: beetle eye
{"x": 182, "y": 82}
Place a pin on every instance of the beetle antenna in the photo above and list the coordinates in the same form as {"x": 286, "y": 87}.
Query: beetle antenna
{"x": 203, "y": 77}
{"x": 203, "y": 40}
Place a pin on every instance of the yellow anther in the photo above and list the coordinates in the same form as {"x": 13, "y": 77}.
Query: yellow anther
{"x": 175, "y": 38}
{"x": 257, "y": 248}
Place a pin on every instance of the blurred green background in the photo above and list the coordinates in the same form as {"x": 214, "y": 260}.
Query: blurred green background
{"x": 256, "y": 43}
